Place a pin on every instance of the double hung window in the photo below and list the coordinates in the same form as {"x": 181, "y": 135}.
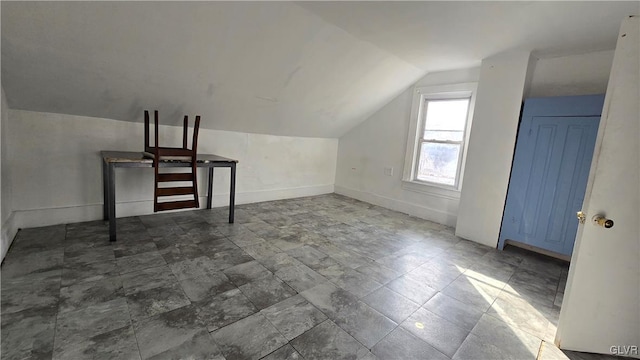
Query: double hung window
{"x": 438, "y": 136}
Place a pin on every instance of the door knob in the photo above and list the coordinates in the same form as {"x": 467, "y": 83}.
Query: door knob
{"x": 600, "y": 220}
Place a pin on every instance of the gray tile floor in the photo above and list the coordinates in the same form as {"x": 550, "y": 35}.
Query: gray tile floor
{"x": 323, "y": 277}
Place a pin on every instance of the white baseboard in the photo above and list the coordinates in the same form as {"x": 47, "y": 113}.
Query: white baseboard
{"x": 71, "y": 214}
{"x": 9, "y": 230}
{"x": 55, "y": 216}
{"x": 269, "y": 195}
{"x": 422, "y": 212}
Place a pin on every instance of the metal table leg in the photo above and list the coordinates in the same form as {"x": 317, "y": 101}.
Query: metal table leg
{"x": 111, "y": 200}
{"x": 105, "y": 190}
{"x": 232, "y": 193}
{"x": 210, "y": 189}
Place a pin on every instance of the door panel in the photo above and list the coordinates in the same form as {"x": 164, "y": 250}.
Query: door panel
{"x": 535, "y": 176}
{"x": 551, "y": 164}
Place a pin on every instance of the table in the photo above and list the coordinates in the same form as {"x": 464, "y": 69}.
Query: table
{"x": 131, "y": 159}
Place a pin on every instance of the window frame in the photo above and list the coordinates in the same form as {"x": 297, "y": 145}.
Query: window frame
{"x": 421, "y": 95}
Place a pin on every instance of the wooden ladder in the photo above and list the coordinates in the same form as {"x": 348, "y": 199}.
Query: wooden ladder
{"x": 183, "y": 154}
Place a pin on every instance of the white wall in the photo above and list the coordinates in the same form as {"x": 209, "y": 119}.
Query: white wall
{"x": 57, "y": 176}
{"x": 7, "y": 227}
{"x": 380, "y": 142}
{"x": 601, "y": 307}
{"x": 503, "y": 79}
{"x": 582, "y": 74}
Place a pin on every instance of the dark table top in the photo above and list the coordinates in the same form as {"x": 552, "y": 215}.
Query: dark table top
{"x": 138, "y": 157}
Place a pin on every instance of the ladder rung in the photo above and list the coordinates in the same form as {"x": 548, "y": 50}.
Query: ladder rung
{"x": 175, "y": 177}
{"x": 170, "y": 191}
{"x": 172, "y": 205}
{"x": 165, "y": 151}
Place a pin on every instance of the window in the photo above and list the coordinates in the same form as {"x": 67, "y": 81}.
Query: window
{"x": 438, "y": 136}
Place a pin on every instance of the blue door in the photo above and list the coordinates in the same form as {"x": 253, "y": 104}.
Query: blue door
{"x": 550, "y": 168}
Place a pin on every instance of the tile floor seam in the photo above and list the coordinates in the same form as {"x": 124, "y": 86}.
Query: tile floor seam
{"x": 387, "y": 334}
{"x": 517, "y": 326}
{"x": 55, "y": 323}
{"x": 242, "y": 318}
{"x": 183, "y": 293}
{"x": 353, "y": 337}
{"x": 135, "y": 333}
{"x": 272, "y": 324}
{"x": 459, "y": 347}
{"x": 300, "y": 350}
{"x": 468, "y": 332}
{"x": 379, "y": 313}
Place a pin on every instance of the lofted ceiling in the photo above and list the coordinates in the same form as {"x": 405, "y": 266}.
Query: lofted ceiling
{"x": 300, "y": 69}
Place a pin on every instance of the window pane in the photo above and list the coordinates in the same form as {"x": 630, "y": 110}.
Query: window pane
{"x": 438, "y": 163}
{"x": 446, "y": 114}
{"x": 443, "y": 135}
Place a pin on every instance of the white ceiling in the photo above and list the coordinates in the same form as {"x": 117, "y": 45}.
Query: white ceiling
{"x": 443, "y": 35}
{"x": 301, "y": 69}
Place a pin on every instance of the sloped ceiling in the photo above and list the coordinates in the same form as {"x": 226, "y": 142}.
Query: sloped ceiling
{"x": 441, "y": 35}
{"x": 301, "y": 69}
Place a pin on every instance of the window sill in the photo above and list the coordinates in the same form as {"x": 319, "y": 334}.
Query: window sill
{"x": 433, "y": 190}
